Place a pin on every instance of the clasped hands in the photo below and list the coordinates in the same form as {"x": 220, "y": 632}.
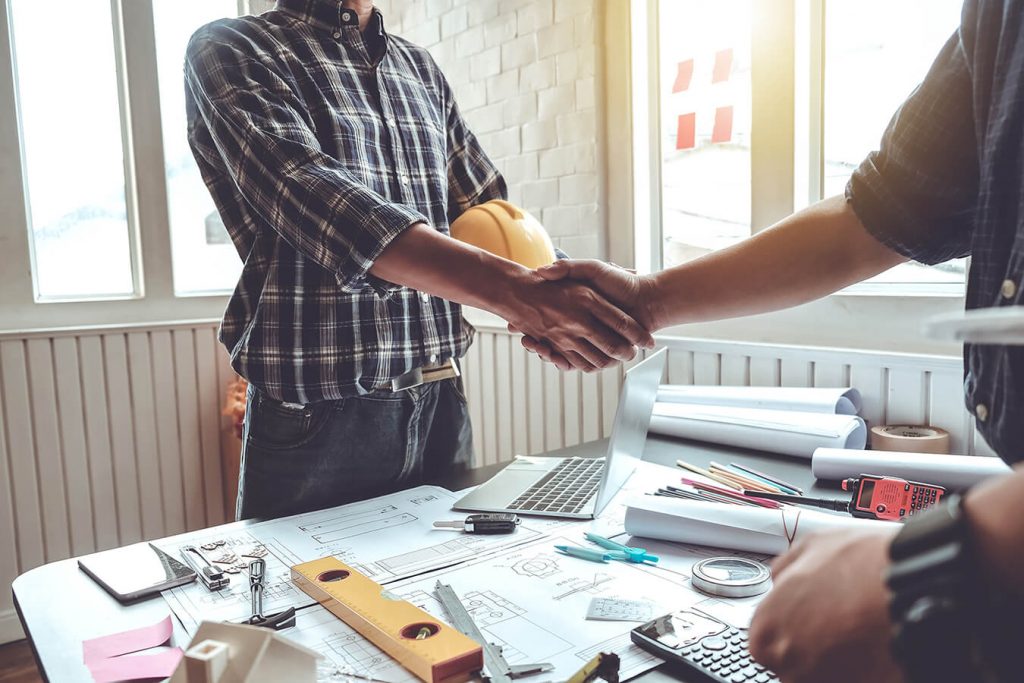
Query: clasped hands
{"x": 585, "y": 315}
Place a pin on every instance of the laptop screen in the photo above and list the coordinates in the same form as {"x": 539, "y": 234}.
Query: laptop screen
{"x": 629, "y": 431}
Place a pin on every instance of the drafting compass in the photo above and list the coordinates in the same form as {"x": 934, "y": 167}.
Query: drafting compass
{"x": 496, "y": 669}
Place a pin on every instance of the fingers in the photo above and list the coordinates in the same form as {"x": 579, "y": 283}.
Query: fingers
{"x": 786, "y": 560}
{"x": 569, "y": 361}
{"x": 576, "y": 270}
{"x": 621, "y": 324}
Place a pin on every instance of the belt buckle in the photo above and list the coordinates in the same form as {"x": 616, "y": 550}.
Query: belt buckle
{"x": 425, "y": 375}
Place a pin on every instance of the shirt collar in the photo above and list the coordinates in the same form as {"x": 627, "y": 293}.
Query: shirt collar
{"x": 328, "y": 15}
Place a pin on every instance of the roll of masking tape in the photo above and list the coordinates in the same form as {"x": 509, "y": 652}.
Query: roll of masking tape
{"x": 910, "y": 439}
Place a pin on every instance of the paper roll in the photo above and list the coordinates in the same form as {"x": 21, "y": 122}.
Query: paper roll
{"x": 951, "y": 471}
{"x": 910, "y": 439}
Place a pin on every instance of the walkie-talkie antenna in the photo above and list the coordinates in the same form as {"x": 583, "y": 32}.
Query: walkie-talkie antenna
{"x": 827, "y": 503}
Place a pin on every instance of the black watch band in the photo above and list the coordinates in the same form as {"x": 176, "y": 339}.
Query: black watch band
{"x": 932, "y": 580}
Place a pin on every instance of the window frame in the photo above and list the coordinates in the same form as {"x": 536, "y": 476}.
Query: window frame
{"x": 786, "y": 172}
{"x": 154, "y": 300}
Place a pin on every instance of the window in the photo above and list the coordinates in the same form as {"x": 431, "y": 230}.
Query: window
{"x": 73, "y": 151}
{"x": 203, "y": 256}
{"x": 101, "y": 195}
{"x": 862, "y": 58}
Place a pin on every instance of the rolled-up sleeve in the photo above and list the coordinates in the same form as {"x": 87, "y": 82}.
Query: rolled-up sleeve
{"x": 917, "y": 193}
{"x": 259, "y": 127}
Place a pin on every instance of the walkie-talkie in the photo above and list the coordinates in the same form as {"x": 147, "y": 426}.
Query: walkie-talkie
{"x": 874, "y": 497}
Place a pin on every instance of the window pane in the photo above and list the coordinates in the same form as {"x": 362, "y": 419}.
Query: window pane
{"x": 876, "y": 53}
{"x": 204, "y": 259}
{"x": 74, "y": 157}
{"x": 705, "y": 123}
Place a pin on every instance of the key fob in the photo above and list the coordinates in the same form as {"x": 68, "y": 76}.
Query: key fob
{"x": 492, "y": 523}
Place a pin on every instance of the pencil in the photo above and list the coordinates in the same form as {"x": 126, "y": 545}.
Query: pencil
{"x": 747, "y": 482}
{"x": 709, "y": 475}
{"x": 763, "y": 502}
{"x": 762, "y": 475}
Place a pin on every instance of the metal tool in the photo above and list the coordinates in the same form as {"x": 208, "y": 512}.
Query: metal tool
{"x": 488, "y": 523}
{"x": 604, "y": 665}
{"x": 497, "y": 669}
{"x": 212, "y": 577}
{"x": 257, "y": 582}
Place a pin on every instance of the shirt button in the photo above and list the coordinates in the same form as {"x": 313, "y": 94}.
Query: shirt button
{"x": 433, "y": 358}
{"x": 336, "y": 35}
{"x": 405, "y": 179}
{"x": 346, "y": 16}
{"x": 1009, "y": 289}
{"x": 424, "y": 297}
{"x": 981, "y": 411}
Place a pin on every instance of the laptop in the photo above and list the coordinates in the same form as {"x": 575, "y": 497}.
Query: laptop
{"x": 577, "y": 487}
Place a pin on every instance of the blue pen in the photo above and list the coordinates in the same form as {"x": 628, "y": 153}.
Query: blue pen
{"x": 621, "y": 552}
{"x": 584, "y": 553}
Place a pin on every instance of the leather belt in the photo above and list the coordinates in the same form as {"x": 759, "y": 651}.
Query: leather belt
{"x": 425, "y": 375}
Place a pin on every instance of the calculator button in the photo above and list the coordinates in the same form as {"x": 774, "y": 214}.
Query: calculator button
{"x": 737, "y": 678}
{"x": 713, "y": 643}
{"x": 715, "y": 666}
{"x": 762, "y": 678}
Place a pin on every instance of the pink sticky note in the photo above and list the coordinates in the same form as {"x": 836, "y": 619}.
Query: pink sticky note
{"x": 684, "y": 73}
{"x": 723, "y": 66}
{"x": 129, "y": 641}
{"x": 722, "y": 131}
{"x": 136, "y": 667}
{"x": 686, "y": 131}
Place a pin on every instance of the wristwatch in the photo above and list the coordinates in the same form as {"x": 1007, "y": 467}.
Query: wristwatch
{"x": 934, "y": 588}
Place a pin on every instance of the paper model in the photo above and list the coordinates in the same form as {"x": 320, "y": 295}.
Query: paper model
{"x": 236, "y": 653}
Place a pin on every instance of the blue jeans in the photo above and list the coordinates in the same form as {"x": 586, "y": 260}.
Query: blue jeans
{"x": 301, "y": 458}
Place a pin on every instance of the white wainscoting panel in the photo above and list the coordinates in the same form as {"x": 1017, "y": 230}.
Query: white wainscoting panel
{"x": 521, "y": 405}
{"x": 107, "y": 437}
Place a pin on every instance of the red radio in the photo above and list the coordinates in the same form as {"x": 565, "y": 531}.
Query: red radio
{"x": 874, "y": 497}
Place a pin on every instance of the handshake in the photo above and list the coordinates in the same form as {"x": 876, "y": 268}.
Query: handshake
{"x": 583, "y": 315}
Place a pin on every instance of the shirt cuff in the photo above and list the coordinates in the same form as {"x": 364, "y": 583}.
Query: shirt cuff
{"x": 383, "y": 225}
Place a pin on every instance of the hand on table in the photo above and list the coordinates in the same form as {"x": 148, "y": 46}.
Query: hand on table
{"x": 827, "y": 616}
{"x": 579, "y": 325}
{"x": 626, "y": 290}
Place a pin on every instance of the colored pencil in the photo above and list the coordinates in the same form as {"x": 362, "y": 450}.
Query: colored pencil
{"x": 745, "y": 482}
{"x": 709, "y": 475}
{"x": 770, "y": 478}
{"x": 763, "y": 502}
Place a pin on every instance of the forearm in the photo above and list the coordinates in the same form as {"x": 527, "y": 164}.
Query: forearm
{"x": 996, "y": 513}
{"x": 425, "y": 260}
{"x": 808, "y": 255}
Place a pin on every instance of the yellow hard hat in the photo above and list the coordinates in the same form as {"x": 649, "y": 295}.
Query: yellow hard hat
{"x": 507, "y": 231}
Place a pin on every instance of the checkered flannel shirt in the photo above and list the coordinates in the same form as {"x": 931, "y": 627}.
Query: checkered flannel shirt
{"x": 948, "y": 182}
{"x": 319, "y": 150}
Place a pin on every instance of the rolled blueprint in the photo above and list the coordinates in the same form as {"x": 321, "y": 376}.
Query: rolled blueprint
{"x": 951, "y": 471}
{"x": 838, "y": 401}
{"x": 776, "y": 431}
{"x": 737, "y": 527}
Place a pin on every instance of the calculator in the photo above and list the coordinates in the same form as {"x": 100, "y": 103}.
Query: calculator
{"x": 704, "y": 645}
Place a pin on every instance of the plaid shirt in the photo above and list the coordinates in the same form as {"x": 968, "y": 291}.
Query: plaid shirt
{"x": 319, "y": 151}
{"x": 948, "y": 182}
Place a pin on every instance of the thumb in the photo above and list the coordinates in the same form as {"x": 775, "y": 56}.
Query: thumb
{"x": 556, "y": 271}
{"x": 586, "y": 269}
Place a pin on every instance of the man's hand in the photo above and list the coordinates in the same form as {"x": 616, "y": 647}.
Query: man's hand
{"x": 624, "y": 289}
{"x": 581, "y": 327}
{"x": 827, "y": 616}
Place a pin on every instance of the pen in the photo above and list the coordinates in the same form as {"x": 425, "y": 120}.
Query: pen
{"x": 712, "y": 496}
{"x": 766, "y": 477}
{"x": 584, "y": 553}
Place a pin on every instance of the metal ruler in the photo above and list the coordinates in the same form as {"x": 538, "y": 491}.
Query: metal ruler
{"x": 497, "y": 669}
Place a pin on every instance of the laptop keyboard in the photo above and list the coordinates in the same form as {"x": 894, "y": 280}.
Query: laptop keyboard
{"x": 567, "y": 488}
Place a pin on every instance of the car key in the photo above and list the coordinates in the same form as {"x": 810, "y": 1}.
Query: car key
{"x": 491, "y": 523}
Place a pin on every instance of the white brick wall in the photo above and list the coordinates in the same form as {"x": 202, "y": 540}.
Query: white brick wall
{"x": 524, "y": 75}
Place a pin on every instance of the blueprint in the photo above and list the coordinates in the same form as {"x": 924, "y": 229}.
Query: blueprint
{"x": 532, "y": 601}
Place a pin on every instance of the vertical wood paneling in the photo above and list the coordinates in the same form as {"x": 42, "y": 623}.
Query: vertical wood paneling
{"x": 945, "y": 392}
{"x": 535, "y": 380}
{"x": 52, "y": 489}
{"x": 71, "y": 416}
{"x": 170, "y": 457}
{"x": 554, "y": 431}
{"x": 126, "y": 475}
{"x": 209, "y": 401}
{"x": 21, "y": 449}
{"x": 97, "y": 438}
{"x": 8, "y": 536}
{"x": 229, "y": 444}
{"x": 706, "y": 369}
{"x": 186, "y": 394}
{"x": 828, "y": 374}
{"x": 590, "y": 405}
{"x": 680, "y": 366}
{"x": 905, "y": 397}
{"x": 571, "y": 403}
{"x": 764, "y": 371}
{"x": 143, "y": 415}
{"x": 520, "y": 418}
{"x": 735, "y": 370}
{"x": 870, "y": 382}
{"x": 487, "y": 389}
{"x": 477, "y": 400}
{"x": 796, "y": 373}
{"x": 503, "y": 396}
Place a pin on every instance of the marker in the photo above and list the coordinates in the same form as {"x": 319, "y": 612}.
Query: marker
{"x": 584, "y": 553}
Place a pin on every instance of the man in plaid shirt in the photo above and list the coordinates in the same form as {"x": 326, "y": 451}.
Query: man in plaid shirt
{"x": 337, "y": 158}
